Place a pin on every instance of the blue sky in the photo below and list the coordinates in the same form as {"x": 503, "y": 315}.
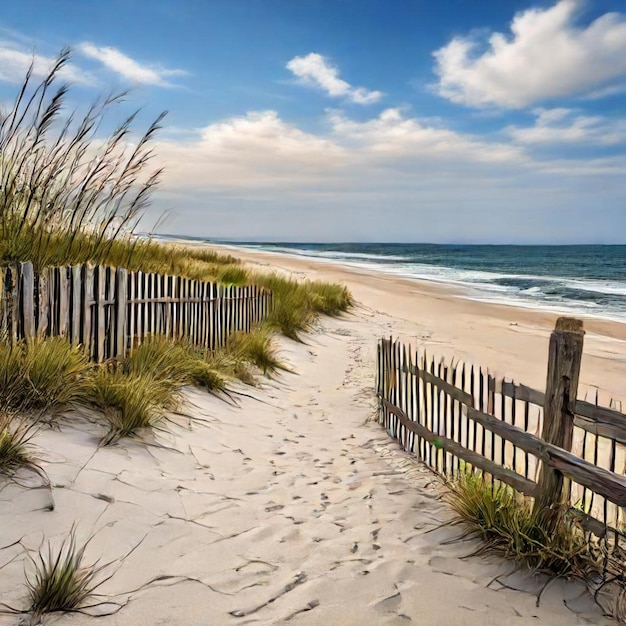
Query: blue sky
{"x": 359, "y": 120}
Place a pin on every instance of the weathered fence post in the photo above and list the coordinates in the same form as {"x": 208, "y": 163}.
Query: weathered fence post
{"x": 121, "y": 308}
{"x": 27, "y": 288}
{"x": 564, "y": 357}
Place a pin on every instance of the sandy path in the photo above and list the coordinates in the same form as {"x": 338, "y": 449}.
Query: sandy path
{"x": 291, "y": 508}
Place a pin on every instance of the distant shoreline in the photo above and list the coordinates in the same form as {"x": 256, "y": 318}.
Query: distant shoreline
{"x": 450, "y": 282}
{"x": 438, "y": 317}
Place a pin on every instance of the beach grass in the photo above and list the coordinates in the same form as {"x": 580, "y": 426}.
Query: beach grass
{"x": 41, "y": 374}
{"x": 70, "y": 197}
{"x": 130, "y": 403}
{"x": 48, "y": 375}
{"x": 137, "y": 392}
{"x": 507, "y": 524}
{"x": 15, "y": 434}
{"x": 60, "y": 580}
{"x": 255, "y": 348}
{"x": 298, "y": 303}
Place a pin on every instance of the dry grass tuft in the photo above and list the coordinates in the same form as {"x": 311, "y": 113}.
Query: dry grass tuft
{"x": 257, "y": 348}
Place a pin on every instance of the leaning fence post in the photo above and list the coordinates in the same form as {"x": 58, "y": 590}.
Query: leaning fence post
{"x": 564, "y": 357}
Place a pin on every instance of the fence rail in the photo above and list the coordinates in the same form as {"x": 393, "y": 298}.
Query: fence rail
{"x": 109, "y": 310}
{"x": 460, "y": 415}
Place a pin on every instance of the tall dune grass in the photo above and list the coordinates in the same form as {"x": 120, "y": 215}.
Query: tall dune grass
{"x": 65, "y": 193}
{"x": 137, "y": 392}
{"x": 298, "y": 303}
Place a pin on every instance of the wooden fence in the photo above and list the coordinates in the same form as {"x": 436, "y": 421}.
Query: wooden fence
{"x": 109, "y": 310}
{"x": 547, "y": 445}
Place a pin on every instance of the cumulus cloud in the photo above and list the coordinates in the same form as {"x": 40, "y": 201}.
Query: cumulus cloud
{"x": 393, "y": 135}
{"x": 546, "y": 56}
{"x": 257, "y": 150}
{"x": 393, "y": 176}
{"x": 15, "y": 59}
{"x": 314, "y": 69}
{"x": 128, "y": 68}
{"x": 560, "y": 125}
{"x": 262, "y": 151}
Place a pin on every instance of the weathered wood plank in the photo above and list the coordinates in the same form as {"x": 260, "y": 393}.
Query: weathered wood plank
{"x": 600, "y": 414}
{"x": 523, "y": 440}
{"x": 451, "y": 390}
{"x": 141, "y": 309}
{"x": 618, "y": 433}
{"x": 43, "y": 304}
{"x": 522, "y": 392}
{"x": 608, "y": 484}
{"x": 88, "y": 309}
{"x": 100, "y": 312}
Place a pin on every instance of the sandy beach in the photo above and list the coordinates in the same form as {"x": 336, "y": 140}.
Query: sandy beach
{"x": 508, "y": 340}
{"x": 289, "y": 504}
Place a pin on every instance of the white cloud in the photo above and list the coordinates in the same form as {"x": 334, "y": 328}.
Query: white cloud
{"x": 558, "y": 126}
{"x": 261, "y": 151}
{"x": 396, "y": 136}
{"x": 257, "y": 150}
{"x": 392, "y": 177}
{"x": 128, "y": 68}
{"x": 314, "y": 69}
{"x": 15, "y": 60}
{"x": 546, "y": 56}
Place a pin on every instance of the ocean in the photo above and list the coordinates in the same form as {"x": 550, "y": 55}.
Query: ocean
{"x": 581, "y": 279}
{"x": 571, "y": 280}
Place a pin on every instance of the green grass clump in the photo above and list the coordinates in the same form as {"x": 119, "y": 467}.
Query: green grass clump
{"x": 14, "y": 438}
{"x": 256, "y": 348}
{"x": 129, "y": 402}
{"x": 160, "y": 358}
{"x": 60, "y": 581}
{"x": 208, "y": 377}
{"x": 507, "y": 523}
{"x": 232, "y": 275}
{"x": 296, "y": 304}
{"x": 176, "y": 363}
{"x": 329, "y": 298}
{"x": 292, "y": 313}
{"x": 42, "y": 374}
